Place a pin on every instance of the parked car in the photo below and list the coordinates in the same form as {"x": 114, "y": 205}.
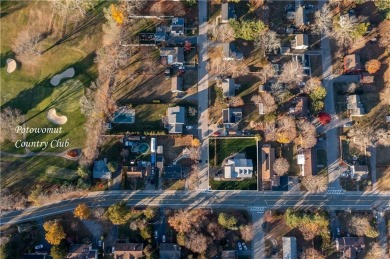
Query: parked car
{"x": 38, "y": 247}
{"x": 168, "y": 73}
{"x": 244, "y": 246}
{"x": 239, "y": 246}
{"x": 100, "y": 242}
{"x": 155, "y": 234}
{"x": 338, "y": 231}
{"x": 164, "y": 239}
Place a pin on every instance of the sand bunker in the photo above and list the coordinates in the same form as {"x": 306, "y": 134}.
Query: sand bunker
{"x": 66, "y": 74}
{"x": 53, "y": 117}
{"x": 11, "y": 65}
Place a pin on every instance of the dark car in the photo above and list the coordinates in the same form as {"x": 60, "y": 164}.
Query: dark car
{"x": 168, "y": 73}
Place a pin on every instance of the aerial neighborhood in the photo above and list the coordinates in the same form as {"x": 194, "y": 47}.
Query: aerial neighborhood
{"x": 184, "y": 129}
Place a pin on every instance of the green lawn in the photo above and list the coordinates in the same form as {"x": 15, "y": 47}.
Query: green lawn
{"x": 247, "y": 184}
{"x": 148, "y": 117}
{"x": 21, "y": 174}
{"x": 221, "y": 148}
{"x": 321, "y": 161}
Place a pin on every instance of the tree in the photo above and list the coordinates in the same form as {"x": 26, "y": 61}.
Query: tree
{"x": 215, "y": 231}
{"x": 82, "y": 211}
{"x": 224, "y": 33}
{"x": 268, "y": 42}
{"x": 360, "y": 226}
{"x": 312, "y": 84}
{"x": 384, "y": 32}
{"x": 382, "y": 137}
{"x": 247, "y": 233}
{"x": 352, "y": 88}
{"x": 27, "y": 47}
{"x": 286, "y": 129}
{"x": 268, "y": 71}
{"x": 148, "y": 250}
{"x": 306, "y": 134}
{"x": 9, "y": 120}
{"x": 344, "y": 34}
{"x": 58, "y": 251}
{"x": 323, "y": 20}
{"x": 112, "y": 166}
{"x": 246, "y": 29}
{"x": 235, "y": 101}
{"x": 226, "y": 68}
{"x": 196, "y": 242}
{"x": 324, "y": 118}
{"x": 359, "y": 30}
{"x": 373, "y": 66}
{"x": 315, "y": 183}
{"x": 117, "y": 14}
{"x": 150, "y": 212}
{"x": 183, "y": 221}
{"x": 227, "y": 221}
{"x": 375, "y": 251}
{"x": 267, "y": 100}
{"x": 281, "y": 166}
{"x": 54, "y": 232}
{"x": 118, "y": 213}
{"x": 65, "y": 7}
{"x": 195, "y": 142}
{"x": 99, "y": 212}
{"x": 292, "y": 74}
{"x": 318, "y": 93}
{"x": 311, "y": 253}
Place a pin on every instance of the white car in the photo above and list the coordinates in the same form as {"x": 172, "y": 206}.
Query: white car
{"x": 239, "y": 246}
{"x": 100, "y": 243}
{"x": 38, "y": 247}
{"x": 155, "y": 234}
{"x": 244, "y": 246}
{"x": 164, "y": 239}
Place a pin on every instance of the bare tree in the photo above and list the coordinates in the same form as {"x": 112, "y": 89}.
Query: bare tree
{"x": 311, "y": 253}
{"x": 360, "y": 226}
{"x": 384, "y": 33}
{"x": 268, "y": 71}
{"x": 352, "y": 88}
{"x": 194, "y": 153}
{"x": 9, "y": 120}
{"x": 235, "y": 101}
{"x": 311, "y": 84}
{"x": 268, "y": 41}
{"x": 344, "y": 34}
{"x": 382, "y": 137}
{"x": 224, "y": 68}
{"x": 323, "y": 20}
{"x": 375, "y": 251}
{"x": 247, "y": 232}
{"x": 281, "y": 166}
{"x": 286, "y": 129}
{"x": 267, "y": 100}
{"x": 133, "y": 7}
{"x": 27, "y": 47}
{"x": 197, "y": 242}
{"x": 98, "y": 212}
{"x": 224, "y": 33}
{"x": 292, "y": 74}
{"x": 65, "y": 7}
{"x": 314, "y": 183}
{"x": 306, "y": 134}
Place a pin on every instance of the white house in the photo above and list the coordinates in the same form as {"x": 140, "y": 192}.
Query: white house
{"x": 238, "y": 167}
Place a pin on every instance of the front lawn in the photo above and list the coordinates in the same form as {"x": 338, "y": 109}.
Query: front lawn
{"x": 246, "y": 184}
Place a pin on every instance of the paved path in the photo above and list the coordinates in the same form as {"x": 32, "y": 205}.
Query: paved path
{"x": 31, "y": 154}
{"x": 203, "y": 94}
{"x": 258, "y": 246}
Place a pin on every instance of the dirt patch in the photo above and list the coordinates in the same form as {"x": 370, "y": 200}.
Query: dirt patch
{"x": 173, "y": 146}
{"x": 382, "y": 156}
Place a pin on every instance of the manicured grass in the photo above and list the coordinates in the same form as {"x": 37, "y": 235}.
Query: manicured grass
{"x": 148, "y": 117}
{"x": 321, "y": 161}
{"x": 289, "y": 151}
{"x": 247, "y": 184}
{"x": 221, "y": 148}
{"x": 22, "y": 174}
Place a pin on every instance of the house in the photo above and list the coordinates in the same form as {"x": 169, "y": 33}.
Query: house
{"x": 160, "y": 162}
{"x": 301, "y": 41}
{"x": 229, "y": 254}
{"x": 100, "y": 170}
{"x": 305, "y": 161}
{"x": 172, "y": 55}
{"x": 359, "y": 172}
{"x": 175, "y": 172}
{"x": 177, "y": 26}
{"x": 289, "y": 248}
{"x": 170, "y": 251}
{"x": 227, "y": 12}
{"x": 128, "y": 250}
{"x": 354, "y": 106}
{"x": 176, "y": 119}
{"x": 160, "y": 35}
{"x": 350, "y": 246}
{"x": 352, "y": 64}
{"x": 228, "y": 87}
{"x": 267, "y": 164}
{"x": 177, "y": 84}
{"x": 238, "y": 167}
{"x": 124, "y": 115}
{"x": 231, "y": 116}
{"x": 302, "y": 107}
{"x": 134, "y": 171}
{"x": 230, "y": 52}
{"x": 261, "y": 108}
{"x": 77, "y": 251}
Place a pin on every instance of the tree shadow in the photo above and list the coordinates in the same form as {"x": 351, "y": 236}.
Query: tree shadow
{"x": 4, "y": 56}
{"x": 8, "y": 7}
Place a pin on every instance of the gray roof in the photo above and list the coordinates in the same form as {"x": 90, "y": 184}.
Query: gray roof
{"x": 228, "y": 254}
{"x": 301, "y": 39}
{"x": 289, "y": 248}
{"x": 160, "y": 34}
{"x": 227, "y": 11}
{"x": 177, "y": 84}
{"x": 170, "y": 251}
{"x": 228, "y": 87}
{"x": 355, "y": 106}
{"x": 100, "y": 170}
{"x": 176, "y": 119}
{"x": 174, "y": 55}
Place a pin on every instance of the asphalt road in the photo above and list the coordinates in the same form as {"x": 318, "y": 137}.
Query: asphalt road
{"x": 213, "y": 199}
